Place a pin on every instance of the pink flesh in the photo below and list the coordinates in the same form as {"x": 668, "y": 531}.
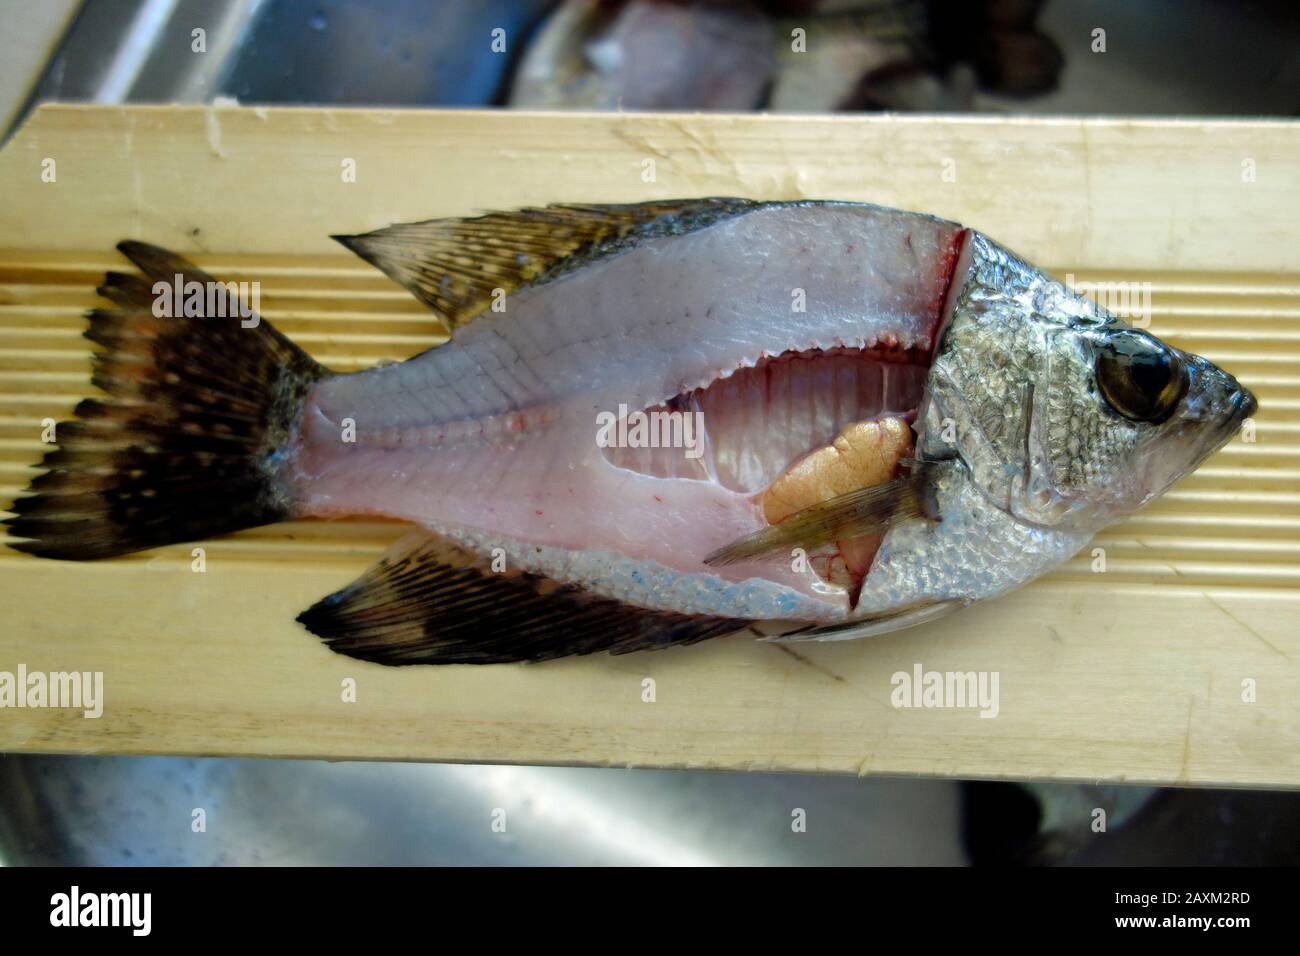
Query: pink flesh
{"x": 496, "y": 431}
{"x": 760, "y": 420}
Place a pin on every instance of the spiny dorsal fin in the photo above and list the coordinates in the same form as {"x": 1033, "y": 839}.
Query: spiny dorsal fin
{"x": 453, "y": 265}
{"x": 430, "y": 601}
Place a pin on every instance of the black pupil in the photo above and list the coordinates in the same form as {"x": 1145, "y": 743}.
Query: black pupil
{"x": 1137, "y": 377}
{"x": 1148, "y": 369}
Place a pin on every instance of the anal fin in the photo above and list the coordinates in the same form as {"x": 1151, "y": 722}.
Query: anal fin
{"x": 430, "y": 601}
{"x": 872, "y": 510}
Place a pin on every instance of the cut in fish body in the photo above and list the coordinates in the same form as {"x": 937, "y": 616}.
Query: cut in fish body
{"x": 659, "y": 423}
{"x": 496, "y": 432}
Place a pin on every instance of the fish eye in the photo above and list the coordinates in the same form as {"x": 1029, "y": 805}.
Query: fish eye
{"x": 1140, "y": 378}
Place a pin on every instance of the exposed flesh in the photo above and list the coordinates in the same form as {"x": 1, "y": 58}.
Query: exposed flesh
{"x": 759, "y": 420}
{"x": 495, "y": 431}
{"x": 795, "y": 430}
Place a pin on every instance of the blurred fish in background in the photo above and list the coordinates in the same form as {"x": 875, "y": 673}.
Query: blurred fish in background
{"x": 1165, "y": 57}
{"x": 648, "y": 55}
{"x": 740, "y": 55}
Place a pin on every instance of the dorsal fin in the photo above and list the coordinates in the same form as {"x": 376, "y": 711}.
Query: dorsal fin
{"x": 430, "y": 601}
{"x": 453, "y": 265}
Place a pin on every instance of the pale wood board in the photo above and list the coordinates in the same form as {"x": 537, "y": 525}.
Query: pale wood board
{"x": 1135, "y": 674}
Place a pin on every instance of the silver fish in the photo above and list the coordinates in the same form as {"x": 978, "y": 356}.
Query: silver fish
{"x": 653, "y": 424}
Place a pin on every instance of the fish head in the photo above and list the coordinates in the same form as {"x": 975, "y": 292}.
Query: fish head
{"x": 1067, "y": 417}
{"x": 1153, "y": 413}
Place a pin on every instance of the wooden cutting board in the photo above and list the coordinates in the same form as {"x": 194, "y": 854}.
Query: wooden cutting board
{"x": 1178, "y": 664}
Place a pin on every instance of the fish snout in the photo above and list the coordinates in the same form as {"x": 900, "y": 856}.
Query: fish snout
{"x": 1215, "y": 397}
{"x": 1247, "y": 404}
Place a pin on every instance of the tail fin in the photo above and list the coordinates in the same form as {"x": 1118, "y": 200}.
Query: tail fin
{"x": 183, "y": 448}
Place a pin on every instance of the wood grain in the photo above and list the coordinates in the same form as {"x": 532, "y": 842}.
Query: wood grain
{"x": 1134, "y": 674}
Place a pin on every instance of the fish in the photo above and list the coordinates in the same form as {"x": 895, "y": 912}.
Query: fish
{"x": 647, "y": 55}
{"x": 653, "y": 424}
{"x": 906, "y": 55}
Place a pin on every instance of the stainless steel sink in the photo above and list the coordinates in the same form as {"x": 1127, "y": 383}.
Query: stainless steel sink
{"x": 142, "y": 811}
{"x": 394, "y": 52}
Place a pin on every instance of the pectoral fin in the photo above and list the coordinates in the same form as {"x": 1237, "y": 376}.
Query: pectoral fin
{"x": 870, "y": 510}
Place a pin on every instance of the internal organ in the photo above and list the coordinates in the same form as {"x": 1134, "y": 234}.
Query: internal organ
{"x": 794, "y": 431}
{"x": 864, "y": 454}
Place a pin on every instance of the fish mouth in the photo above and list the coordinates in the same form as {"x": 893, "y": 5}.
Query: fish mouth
{"x": 1236, "y": 405}
{"x": 1243, "y": 405}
